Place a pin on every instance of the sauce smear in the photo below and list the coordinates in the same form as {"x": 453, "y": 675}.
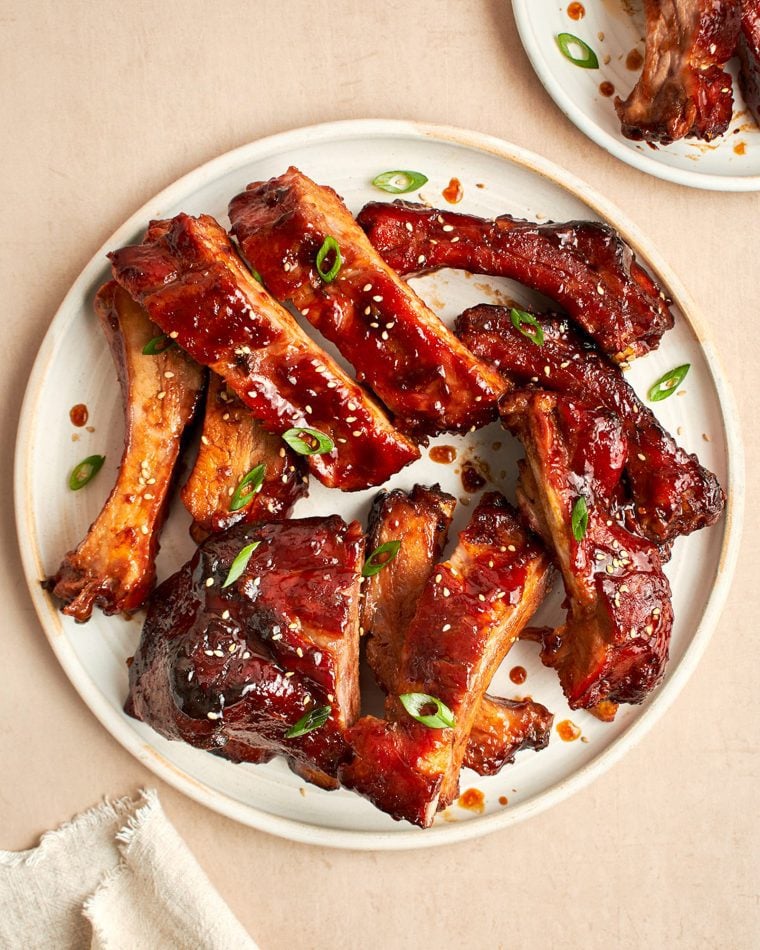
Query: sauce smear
{"x": 634, "y": 60}
{"x": 606, "y": 88}
{"x": 79, "y": 414}
{"x": 568, "y": 731}
{"x": 472, "y": 480}
{"x": 518, "y": 674}
{"x": 453, "y": 192}
{"x": 740, "y": 148}
{"x": 473, "y": 800}
{"x": 503, "y": 800}
{"x": 576, "y": 11}
{"x": 443, "y": 454}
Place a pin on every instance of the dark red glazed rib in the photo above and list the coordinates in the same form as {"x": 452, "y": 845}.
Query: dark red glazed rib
{"x": 749, "y": 56}
{"x": 114, "y": 566}
{"x": 583, "y": 265}
{"x": 614, "y": 645}
{"x": 495, "y": 580}
{"x": 683, "y": 90}
{"x": 231, "y": 670}
{"x": 194, "y": 286}
{"x": 232, "y": 444}
{"x": 420, "y": 520}
{"x": 399, "y": 347}
{"x": 672, "y": 494}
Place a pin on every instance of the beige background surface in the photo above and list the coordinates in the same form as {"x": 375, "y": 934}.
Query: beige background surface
{"x": 105, "y": 103}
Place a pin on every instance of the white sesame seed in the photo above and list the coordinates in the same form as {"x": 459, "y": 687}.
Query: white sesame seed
{"x": 293, "y": 626}
{"x": 213, "y": 715}
{"x": 332, "y": 384}
{"x": 225, "y": 615}
{"x": 447, "y": 228}
{"x": 641, "y": 457}
{"x": 511, "y": 547}
{"x": 209, "y": 582}
{"x": 204, "y": 440}
{"x": 366, "y": 288}
{"x": 384, "y": 335}
{"x": 377, "y": 298}
{"x": 307, "y": 409}
{"x": 173, "y": 335}
{"x": 144, "y": 528}
{"x": 438, "y": 578}
{"x": 209, "y": 652}
{"x": 445, "y": 627}
{"x": 246, "y": 655}
{"x": 409, "y": 227}
{"x": 356, "y": 433}
{"x": 161, "y": 395}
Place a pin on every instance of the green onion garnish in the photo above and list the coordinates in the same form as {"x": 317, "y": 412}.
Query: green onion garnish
{"x": 380, "y": 558}
{"x": 399, "y": 182}
{"x": 329, "y": 246}
{"x": 85, "y": 472}
{"x": 579, "y": 519}
{"x": 520, "y": 319}
{"x": 256, "y": 275}
{"x": 158, "y": 344}
{"x": 252, "y": 482}
{"x": 308, "y": 723}
{"x": 666, "y": 385}
{"x": 414, "y": 703}
{"x": 240, "y": 563}
{"x": 308, "y": 441}
{"x": 588, "y": 59}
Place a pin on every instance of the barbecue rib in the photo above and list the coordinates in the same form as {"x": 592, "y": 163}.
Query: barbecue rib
{"x": 399, "y": 347}
{"x": 683, "y": 90}
{"x": 232, "y": 669}
{"x": 114, "y": 567}
{"x": 195, "y": 287}
{"x": 583, "y": 265}
{"x": 749, "y": 56}
{"x": 614, "y": 645}
{"x": 232, "y": 445}
{"x": 672, "y": 494}
{"x": 420, "y": 520}
{"x": 468, "y": 616}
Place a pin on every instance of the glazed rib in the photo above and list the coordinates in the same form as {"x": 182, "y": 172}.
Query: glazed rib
{"x": 114, "y": 566}
{"x": 749, "y": 56}
{"x": 614, "y": 645}
{"x": 420, "y": 520}
{"x": 683, "y": 90}
{"x": 232, "y": 669}
{"x": 399, "y": 347}
{"x": 232, "y": 445}
{"x": 583, "y": 265}
{"x": 495, "y": 580}
{"x": 671, "y": 493}
{"x": 191, "y": 281}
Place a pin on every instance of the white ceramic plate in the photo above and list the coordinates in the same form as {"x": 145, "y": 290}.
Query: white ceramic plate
{"x": 74, "y": 366}
{"x": 731, "y": 163}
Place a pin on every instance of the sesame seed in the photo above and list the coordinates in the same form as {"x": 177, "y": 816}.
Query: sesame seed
{"x": 305, "y": 311}
{"x": 226, "y": 416}
{"x": 149, "y": 496}
{"x": 447, "y": 228}
{"x": 367, "y": 311}
{"x": 204, "y": 440}
{"x": 384, "y": 335}
{"x": 366, "y": 288}
{"x": 168, "y": 374}
{"x": 600, "y": 290}
{"x": 209, "y": 652}
{"x": 232, "y": 647}
{"x": 299, "y": 651}
{"x": 277, "y": 636}
{"x": 209, "y": 582}
{"x": 246, "y": 655}
{"x": 511, "y": 547}
{"x": 409, "y": 227}
{"x": 643, "y": 458}
{"x": 256, "y": 581}
{"x": 446, "y": 592}
{"x": 356, "y": 433}
{"x": 173, "y": 335}
{"x": 421, "y": 259}
{"x": 481, "y": 597}
{"x": 445, "y": 627}
{"x": 378, "y": 298}
{"x": 213, "y": 715}
{"x": 307, "y": 409}
{"x": 332, "y": 384}
{"x": 288, "y": 675}
{"x": 455, "y": 239}
{"x": 225, "y": 615}
{"x": 547, "y": 370}
{"x": 144, "y": 528}
{"x": 330, "y": 697}
{"x": 219, "y": 653}
{"x": 293, "y": 626}
{"x": 681, "y": 392}
{"x": 161, "y": 395}
{"x": 438, "y": 578}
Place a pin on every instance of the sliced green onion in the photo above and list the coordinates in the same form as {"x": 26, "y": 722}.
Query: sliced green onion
{"x": 308, "y": 441}
{"x": 157, "y": 345}
{"x": 308, "y": 723}
{"x": 256, "y": 275}
{"x": 589, "y": 58}
{"x": 240, "y": 563}
{"x": 667, "y": 384}
{"x": 579, "y": 519}
{"x": 399, "y": 182}
{"x": 85, "y": 472}
{"x": 329, "y": 246}
{"x": 252, "y": 482}
{"x": 381, "y": 557}
{"x": 414, "y": 703}
{"x": 534, "y": 331}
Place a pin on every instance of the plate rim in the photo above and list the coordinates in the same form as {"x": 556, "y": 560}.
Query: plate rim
{"x": 294, "y": 829}
{"x": 687, "y": 177}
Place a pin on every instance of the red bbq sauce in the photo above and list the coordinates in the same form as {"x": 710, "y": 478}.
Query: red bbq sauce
{"x": 453, "y": 192}
{"x": 606, "y": 88}
{"x": 576, "y": 11}
{"x": 568, "y": 731}
{"x": 503, "y": 800}
{"x": 472, "y": 480}
{"x": 518, "y": 674}
{"x": 473, "y": 800}
{"x": 78, "y": 414}
{"x": 443, "y": 454}
{"x": 634, "y": 60}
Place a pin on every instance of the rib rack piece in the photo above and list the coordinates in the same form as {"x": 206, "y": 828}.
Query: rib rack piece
{"x": 672, "y": 494}
{"x": 583, "y": 265}
{"x": 195, "y": 287}
{"x": 114, "y": 566}
{"x": 231, "y": 669}
{"x": 399, "y": 347}
{"x": 468, "y": 616}
{"x": 683, "y": 90}
{"x": 420, "y": 520}
{"x": 749, "y": 56}
{"x": 232, "y": 445}
{"x": 614, "y": 645}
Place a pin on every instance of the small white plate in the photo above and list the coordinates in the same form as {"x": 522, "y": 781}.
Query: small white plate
{"x": 74, "y": 366}
{"x": 730, "y": 163}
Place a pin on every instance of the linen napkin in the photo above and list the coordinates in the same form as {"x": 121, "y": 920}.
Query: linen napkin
{"x": 117, "y": 877}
